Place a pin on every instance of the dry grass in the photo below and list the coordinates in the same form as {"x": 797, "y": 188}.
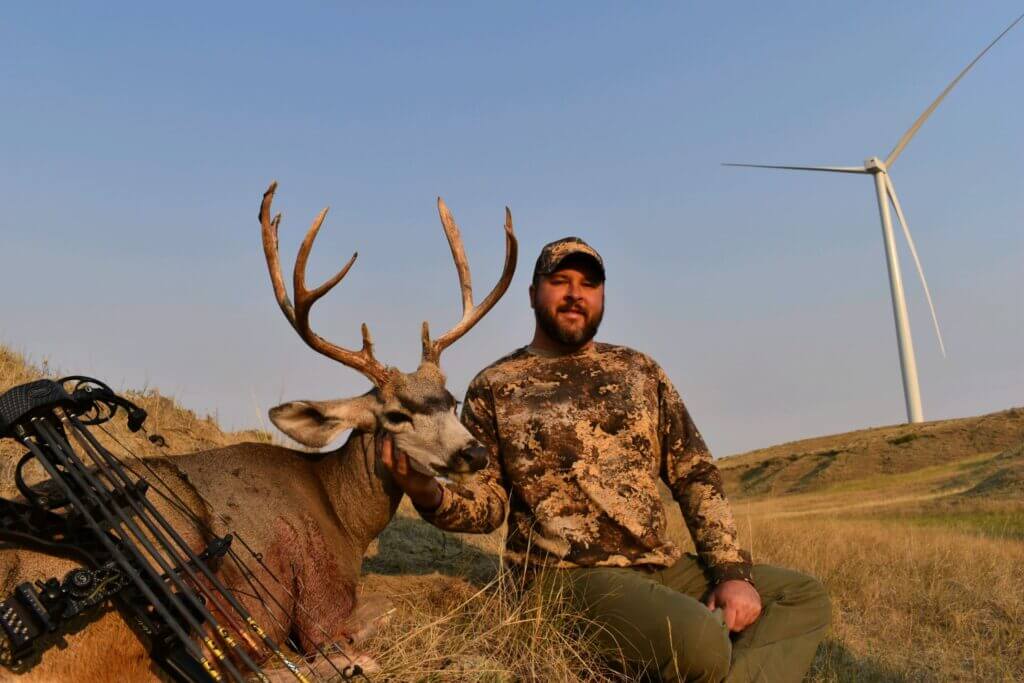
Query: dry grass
{"x": 446, "y": 629}
{"x": 462, "y": 616}
{"x": 924, "y": 578}
{"x": 910, "y": 603}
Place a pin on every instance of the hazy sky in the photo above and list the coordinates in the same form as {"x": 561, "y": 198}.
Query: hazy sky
{"x": 137, "y": 139}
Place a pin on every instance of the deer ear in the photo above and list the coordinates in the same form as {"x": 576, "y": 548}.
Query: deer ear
{"x": 317, "y": 423}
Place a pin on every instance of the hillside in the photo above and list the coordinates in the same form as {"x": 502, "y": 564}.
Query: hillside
{"x": 916, "y": 532}
{"x": 180, "y": 430}
{"x": 981, "y": 451}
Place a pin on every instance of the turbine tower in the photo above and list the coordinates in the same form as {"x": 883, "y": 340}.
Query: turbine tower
{"x": 886, "y": 192}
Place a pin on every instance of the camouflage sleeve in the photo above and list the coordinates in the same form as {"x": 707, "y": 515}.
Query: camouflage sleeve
{"x": 476, "y": 504}
{"x": 691, "y": 474}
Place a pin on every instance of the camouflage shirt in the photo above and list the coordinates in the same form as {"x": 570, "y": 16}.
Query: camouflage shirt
{"x": 577, "y": 443}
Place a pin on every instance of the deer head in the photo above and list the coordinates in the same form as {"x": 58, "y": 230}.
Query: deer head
{"x": 416, "y": 407}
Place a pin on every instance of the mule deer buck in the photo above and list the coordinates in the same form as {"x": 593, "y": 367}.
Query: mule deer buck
{"x": 312, "y": 518}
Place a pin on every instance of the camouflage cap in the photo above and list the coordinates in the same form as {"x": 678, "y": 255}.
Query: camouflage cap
{"x": 555, "y": 252}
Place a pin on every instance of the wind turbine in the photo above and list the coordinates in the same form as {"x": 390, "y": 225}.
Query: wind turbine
{"x": 886, "y": 192}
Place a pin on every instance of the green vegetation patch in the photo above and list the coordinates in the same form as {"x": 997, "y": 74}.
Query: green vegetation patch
{"x": 931, "y": 475}
{"x": 991, "y": 523}
{"x": 904, "y": 438}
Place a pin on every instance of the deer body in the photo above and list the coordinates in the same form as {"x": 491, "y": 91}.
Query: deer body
{"x": 310, "y": 516}
{"x": 311, "y": 536}
{"x": 313, "y": 521}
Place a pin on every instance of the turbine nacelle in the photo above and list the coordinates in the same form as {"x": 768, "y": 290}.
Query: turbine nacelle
{"x": 875, "y": 165}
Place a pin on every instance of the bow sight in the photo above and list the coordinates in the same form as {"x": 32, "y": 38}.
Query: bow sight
{"x": 93, "y": 508}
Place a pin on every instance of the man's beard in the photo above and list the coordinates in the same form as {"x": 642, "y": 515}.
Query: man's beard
{"x": 570, "y": 337}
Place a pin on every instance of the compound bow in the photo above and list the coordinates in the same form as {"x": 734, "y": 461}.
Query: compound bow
{"x": 93, "y": 508}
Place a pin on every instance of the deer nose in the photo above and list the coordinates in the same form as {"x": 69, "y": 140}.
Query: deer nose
{"x": 474, "y": 457}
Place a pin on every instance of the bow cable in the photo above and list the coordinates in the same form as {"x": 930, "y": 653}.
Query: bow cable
{"x": 121, "y": 484}
{"x": 119, "y": 557}
{"x": 245, "y": 569}
{"x": 115, "y": 518}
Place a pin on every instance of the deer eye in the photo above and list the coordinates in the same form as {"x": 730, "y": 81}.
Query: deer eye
{"x": 396, "y": 417}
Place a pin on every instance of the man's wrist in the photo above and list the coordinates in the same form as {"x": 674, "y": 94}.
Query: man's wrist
{"x": 732, "y": 571}
{"x": 430, "y": 499}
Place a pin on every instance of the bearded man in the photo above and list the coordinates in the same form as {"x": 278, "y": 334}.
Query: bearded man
{"x": 578, "y": 432}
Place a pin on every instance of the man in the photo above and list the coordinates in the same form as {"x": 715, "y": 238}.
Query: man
{"x": 578, "y": 433}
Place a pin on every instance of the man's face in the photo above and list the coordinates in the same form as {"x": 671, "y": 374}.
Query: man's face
{"x": 569, "y": 303}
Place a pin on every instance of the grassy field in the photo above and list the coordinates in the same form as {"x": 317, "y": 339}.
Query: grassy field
{"x": 924, "y": 566}
{"x": 921, "y": 591}
{"x": 917, "y": 533}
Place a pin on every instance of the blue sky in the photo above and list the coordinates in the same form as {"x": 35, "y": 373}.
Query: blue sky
{"x": 137, "y": 140}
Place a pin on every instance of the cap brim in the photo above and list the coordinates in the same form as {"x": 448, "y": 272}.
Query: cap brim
{"x": 576, "y": 254}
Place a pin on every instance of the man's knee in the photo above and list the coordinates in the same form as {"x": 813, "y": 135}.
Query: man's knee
{"x": 814, "y": 598}
{"x": 794, "y": 590}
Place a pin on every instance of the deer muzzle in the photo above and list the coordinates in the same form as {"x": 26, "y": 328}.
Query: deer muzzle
{"x": 470, "y": 459}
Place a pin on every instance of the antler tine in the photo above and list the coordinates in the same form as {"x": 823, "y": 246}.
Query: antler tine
{"x": 428, "y": 349}
{"x": 471, "y": 314}
{"x": 270, "y": 249}
{"x": 309, "y": 297}
{"x": 298, "y": 314}
{"x": 451, "y": 231}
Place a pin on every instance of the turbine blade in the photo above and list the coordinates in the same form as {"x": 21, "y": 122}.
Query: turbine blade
{"x": 833, "y": 169}
{"x": 913, "y": 252}
{"x": 928, "y": 112}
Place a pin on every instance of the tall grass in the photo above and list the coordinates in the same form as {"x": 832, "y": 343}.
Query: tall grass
{"x": 910, "y": 603}
{"x": 448, "y": 630}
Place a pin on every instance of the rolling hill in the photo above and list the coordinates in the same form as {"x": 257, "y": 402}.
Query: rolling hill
{"x": 981, "y": 455}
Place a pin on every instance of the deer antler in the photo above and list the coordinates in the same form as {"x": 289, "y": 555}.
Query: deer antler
{"x": 298, "y": 314}
{"x": 470, "y": 314}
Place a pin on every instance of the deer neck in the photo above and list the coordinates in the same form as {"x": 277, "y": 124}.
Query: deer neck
{"x": 360, "y": 490}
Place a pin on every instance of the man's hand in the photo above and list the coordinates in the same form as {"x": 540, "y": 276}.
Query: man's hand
{"x": 424, "y": 491}
{"x": 739, "y": 601}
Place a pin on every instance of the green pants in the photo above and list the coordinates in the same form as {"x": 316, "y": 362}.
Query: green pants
{"x": 657, "y": 622}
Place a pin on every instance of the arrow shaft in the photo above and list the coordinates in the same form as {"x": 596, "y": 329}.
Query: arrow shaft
{"x": 908, "y": 364}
